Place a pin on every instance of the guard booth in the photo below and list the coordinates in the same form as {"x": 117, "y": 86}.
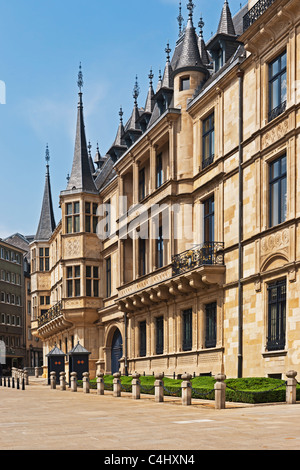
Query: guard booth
{"x": 56, "y": 363}
{"x": 78, "y": 361}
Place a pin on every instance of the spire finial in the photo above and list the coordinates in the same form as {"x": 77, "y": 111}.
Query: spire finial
{"x": 180, "y": 19}
{"x": 121, "y": 114}
{"x": 151, "y": 76}
{"x": 201, "y": 25}
{"x": 47, "y": 156}
{"x": 190, "y": 7}
{"x": 90, "y": 148}
{"x": 136, "y": 90}
{"x": 80, "y": 79}
{"x": 167, "y": 51}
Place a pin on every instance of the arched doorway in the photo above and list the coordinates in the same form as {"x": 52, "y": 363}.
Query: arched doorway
{"x": 116, "y": 351}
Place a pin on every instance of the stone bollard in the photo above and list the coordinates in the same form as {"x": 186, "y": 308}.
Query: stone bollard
{"x": 136, "y": 386}
{"x": 73, "y": 381}
{"x": 86, "y": 382}
{"x": 291, "y": 385}
{"x": 186, "y": 389}
{"x": 26, "y": 376}
{"x": 53, "y": 380}
{"x": 159, "y": 388}
{"x": 220, "y": 388}
{"x": 117, "y": 385}
{"x": 100, "y": 383}
{"x": 36, "y": 372}
{"x": 62, "y": 381}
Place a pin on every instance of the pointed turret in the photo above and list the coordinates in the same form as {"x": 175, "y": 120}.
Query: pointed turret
{"x": 202, "y": 48}
{"x": 167, "y": 81}
{"x": 224, "y": 43}
{"x": 190, "y": 56}
{"x": 132, "y": 125}
{"x": 226, "y": 23}
{"x": 149, "y": 101}
{"x": 47, "y": 221}
{"x": 81, "y": 178}
{"x": 98, "y": 160}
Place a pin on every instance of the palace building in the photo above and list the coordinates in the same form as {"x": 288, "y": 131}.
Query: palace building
{"x": 178, "y": 250}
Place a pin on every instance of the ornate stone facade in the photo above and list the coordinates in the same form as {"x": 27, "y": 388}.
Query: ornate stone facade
{"x": 218, "y": 314}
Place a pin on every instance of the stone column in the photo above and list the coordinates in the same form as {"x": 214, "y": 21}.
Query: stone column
{"x": 136, "y": 386}
{"x": 186, "y": 389}
{"x": 73, "y": 381}
{"x": 86, "y": 382}
{"x": 291, "y": 387}
{"x": 53, "y": 380}
{"x": 100, "y": 383}
{"x": 159, "y": 388}
{"x": 62, "y": 381}
{"x": 117, "y": 385}
{"x": 220, "y": 388}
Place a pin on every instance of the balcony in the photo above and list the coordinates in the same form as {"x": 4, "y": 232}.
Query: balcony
{"x": 193, "y": 270}
{"x": 52, "y": 314}
{"x": 210, "y": 253}
{"x": 274, "y": 113}
{"x": 256, "y": 11}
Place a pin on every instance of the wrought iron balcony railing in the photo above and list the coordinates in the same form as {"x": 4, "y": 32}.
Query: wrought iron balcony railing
{"x": 210, "y": 253}
{"x": 256, "y": 11}
{"x": 277, "y": 111}
{"x": 53, "y": 313}
{"x": 207, "y": 161}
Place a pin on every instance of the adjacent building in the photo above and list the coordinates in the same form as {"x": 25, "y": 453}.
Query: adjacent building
{"x": 178, "y": 250}
{"x": 12, "y": 298}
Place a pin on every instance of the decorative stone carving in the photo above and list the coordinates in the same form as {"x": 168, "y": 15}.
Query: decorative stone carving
{"x": 275, "y": 242}
{"x": 275, "y": 134}
{"x": 72, "y": 248}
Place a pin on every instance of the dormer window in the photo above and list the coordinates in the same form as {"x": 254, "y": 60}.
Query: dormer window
{"x": 185, "y": 83}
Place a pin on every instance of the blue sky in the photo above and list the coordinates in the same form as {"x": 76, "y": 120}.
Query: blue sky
{"x": 42, "y": 43}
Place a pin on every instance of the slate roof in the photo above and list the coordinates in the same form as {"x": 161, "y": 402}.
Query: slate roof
{"x": 81, "y": 176}
{"x": 47, "y": 221}
{"x": 78, "y": 349}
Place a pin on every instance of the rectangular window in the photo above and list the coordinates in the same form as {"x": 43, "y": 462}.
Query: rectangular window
{"x": 159, "y": 171}
{"x": 184, "y": 83}
{"x": 277, "y": 86}
{"x": 187, "y": 330}
{"x": 142, "y": 184}
{"x": 160, "y": 248}
{"x": 276, "y": 316}
{"x": 142, "y": 256}
{"x": 73, "y": 217}
{"x": 143, "y": 346}
{"x": 278, "y": 191}
{"x": 159, "y": 335}
{"x": 92, "y": 281}
{"x": 211, "y": 325}
{"x": 208, "y": 141}
{"x": 209, "y": 220}
{"x": 73, "y": 281}
{"x": 108, "y": 277}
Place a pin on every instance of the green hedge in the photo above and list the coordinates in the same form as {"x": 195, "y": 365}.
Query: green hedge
{"x": 247, "y": 390}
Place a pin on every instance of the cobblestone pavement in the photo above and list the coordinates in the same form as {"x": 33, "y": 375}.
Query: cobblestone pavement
{"x": 42, "y": 419}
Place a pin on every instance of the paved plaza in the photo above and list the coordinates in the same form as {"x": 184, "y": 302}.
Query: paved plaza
{"x": 39, "y": 418}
